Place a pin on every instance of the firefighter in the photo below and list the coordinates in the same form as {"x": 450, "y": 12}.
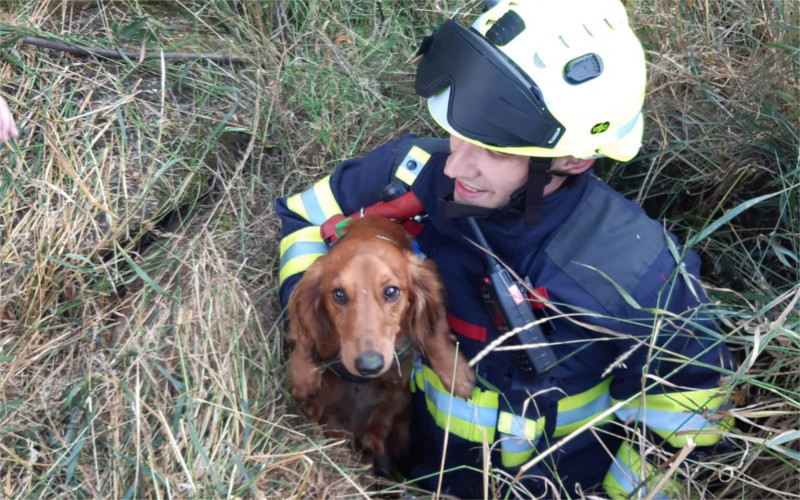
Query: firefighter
{"x": 531, "y": 95}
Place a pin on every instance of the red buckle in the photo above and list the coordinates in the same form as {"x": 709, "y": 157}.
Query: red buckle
{"x": 400, "y": 209}
{"x": 538, "y": 297}
{"x": 328, "y": 228}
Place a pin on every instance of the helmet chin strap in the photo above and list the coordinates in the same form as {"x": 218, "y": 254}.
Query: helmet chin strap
{"x": 530, "y": 194}
{"x": 538, "y": 177}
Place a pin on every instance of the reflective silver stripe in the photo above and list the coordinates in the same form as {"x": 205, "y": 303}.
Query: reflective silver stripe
{"x": 512, "y": 444}
{"x": 624, "y": 476}
{"x": 519, "y": 436}
{"x": 301, "y": 248}
{"x": 316, "y": 204}
{"x": 590, "y": 409}
{"x": 474, "y": 420}
{"x": 316, "y": 215}
{"x": 486, "y": 417}
{"x": 665, "y": 420}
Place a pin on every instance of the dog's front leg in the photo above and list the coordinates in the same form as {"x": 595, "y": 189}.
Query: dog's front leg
{"x": 304, "y": 375}
{"x": 452, "y": 368}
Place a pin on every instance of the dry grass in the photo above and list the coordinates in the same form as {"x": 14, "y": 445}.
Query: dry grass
{"x": 140, "y": 340}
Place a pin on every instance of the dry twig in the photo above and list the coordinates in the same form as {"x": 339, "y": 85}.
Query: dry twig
{"x": 120, "y": 54}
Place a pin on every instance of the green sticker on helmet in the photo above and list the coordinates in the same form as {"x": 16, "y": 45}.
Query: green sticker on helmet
{"x": 600, "y": 128}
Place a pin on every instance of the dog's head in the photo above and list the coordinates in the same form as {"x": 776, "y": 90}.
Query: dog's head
{"x": 365, "y": 296}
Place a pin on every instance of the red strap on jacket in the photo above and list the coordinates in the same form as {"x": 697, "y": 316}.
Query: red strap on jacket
{"x": 400, "y": 209}
{"x": 468, "y": 330}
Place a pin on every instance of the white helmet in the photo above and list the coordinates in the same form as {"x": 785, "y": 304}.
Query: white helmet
{"x": 542, "y": 78}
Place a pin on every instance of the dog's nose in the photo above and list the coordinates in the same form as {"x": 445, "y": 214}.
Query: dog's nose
{"x": 369, "y": 363}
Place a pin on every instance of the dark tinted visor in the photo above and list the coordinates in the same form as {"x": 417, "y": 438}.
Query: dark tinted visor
{"x": 491, "y": 100}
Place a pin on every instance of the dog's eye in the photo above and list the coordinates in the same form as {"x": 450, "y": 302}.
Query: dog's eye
{"x": 391, "y": 293}
{"x": 339, "y": 296}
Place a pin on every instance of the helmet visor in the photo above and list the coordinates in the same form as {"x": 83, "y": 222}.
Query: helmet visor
{"x": 491, "y": 100}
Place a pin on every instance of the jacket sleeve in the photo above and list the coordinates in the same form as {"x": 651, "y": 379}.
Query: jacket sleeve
{"x": 354, "y": 184}
{"x": 669, "y": 370}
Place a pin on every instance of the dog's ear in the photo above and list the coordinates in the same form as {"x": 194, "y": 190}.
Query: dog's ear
{"x": 307, "y": 314}
{"x": 426, "y": 298}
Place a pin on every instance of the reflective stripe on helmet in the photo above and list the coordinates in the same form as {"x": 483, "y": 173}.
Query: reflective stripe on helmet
{"x": 299, "y": 250}
{"x": 678, "y": 415}
{"x": 474, "y": 419}
{"x": 316, "y": 204}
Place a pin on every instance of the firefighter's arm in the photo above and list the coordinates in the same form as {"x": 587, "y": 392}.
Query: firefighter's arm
{"x": 354, "y": 184}
{"x": 672, "y": 382}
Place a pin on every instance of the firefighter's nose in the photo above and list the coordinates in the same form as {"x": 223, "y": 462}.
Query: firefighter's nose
{"x": 369, "y": 363}
{"x": 462, "y": 160}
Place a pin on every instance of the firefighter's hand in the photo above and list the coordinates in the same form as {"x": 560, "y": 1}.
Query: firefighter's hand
{"x": 8, "y": 128}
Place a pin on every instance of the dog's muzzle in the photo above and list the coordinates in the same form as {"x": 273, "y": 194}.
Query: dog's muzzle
{"x": 368, "y": 364}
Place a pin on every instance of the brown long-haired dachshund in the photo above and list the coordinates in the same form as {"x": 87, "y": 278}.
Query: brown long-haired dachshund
{"x": 353, "y": 319}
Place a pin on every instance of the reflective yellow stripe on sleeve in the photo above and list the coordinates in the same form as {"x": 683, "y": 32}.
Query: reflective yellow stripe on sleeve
{"x": 474, "y": 419}
{"x": 299, "y": 250}
{"x": 316, "y": 204}
{"x": 688, "y": 413}
{"x": 624, "y": 477}
{"x": 576, "y": 410}
{"x": 519, "y": 436}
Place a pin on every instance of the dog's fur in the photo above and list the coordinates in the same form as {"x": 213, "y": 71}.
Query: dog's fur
{"x": 362, "y": 301}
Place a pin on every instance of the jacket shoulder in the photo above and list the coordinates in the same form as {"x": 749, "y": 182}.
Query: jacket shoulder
{"x": 608, "y": 245}
{"x": 415, "y": 154}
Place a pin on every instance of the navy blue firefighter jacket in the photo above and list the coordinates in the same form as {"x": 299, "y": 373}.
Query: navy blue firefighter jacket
{"x": 640, "y": 357}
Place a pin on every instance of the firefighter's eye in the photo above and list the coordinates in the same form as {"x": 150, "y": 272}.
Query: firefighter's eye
{"x": 339, "y": 296}
{"x": 390, "y": 293}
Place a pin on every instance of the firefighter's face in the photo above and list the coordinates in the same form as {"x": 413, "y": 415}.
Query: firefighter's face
{"x": 486, "y": 178}
{"x": 483, "y": 177}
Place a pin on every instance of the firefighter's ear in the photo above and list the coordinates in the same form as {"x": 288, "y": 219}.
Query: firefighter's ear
{"x": 569, "y": 165}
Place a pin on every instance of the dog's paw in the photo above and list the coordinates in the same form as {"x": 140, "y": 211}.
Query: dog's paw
{"x": 314, "y": 410}
{"x": 373, "y": 442}
{"x": 382, "y": 465}
{"x": 305, "y": 385}
{"x": 465, "y": 378}
{"x": 461, "y": 385}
